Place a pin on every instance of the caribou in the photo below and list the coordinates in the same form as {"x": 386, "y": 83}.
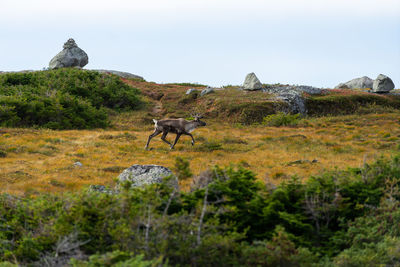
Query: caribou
{"x": 177, "y": 126}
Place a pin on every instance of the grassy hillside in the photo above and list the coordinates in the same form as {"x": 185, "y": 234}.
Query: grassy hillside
{"x": 41, "y": 160}
{"x": 292, "y": 190}
{"x": 36, "y": 160}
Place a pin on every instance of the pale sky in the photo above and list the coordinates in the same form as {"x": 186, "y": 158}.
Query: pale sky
{"x": 214, "y": 42}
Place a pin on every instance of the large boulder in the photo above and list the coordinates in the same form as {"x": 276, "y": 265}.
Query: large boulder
{"x": 70, "y": 56}
{"x": 139, "y": 175}
{"x": 251, "y": 82}
{"x": 357, "y": 83}
{"x": 382, "y": 84}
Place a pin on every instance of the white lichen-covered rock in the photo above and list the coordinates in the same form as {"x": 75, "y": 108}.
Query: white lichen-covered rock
{"x": 70, "y": 56}
{"x": 77, "y": 164}
{"x": 251, "y": 82}
{"x": 191, "y": 90}
{"x": 102, "y": 189}
{"x": 207, "y": 91}
{"x": 357, "y": 83}
{"x": 382, "y": 84}
{"x": 139, "y": 175}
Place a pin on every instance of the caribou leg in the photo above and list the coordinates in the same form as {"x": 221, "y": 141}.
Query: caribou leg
{"x": 176, "y": 139}
{"x": 192, "y": 138}
{"x": 165, "y": 140}
{"x": 156, "y": 132}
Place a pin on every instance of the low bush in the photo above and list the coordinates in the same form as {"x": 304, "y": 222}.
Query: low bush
{"x": 282, "y": 119}
{"x": 208, "y": 146}
{"x": 63, "y": 98}
{"x": 182, "y": 169}
{"x": 62, "y": 111}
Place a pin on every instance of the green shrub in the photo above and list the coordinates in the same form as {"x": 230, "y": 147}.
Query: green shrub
{"x": 62, "y": 99}
{"x": 209, "y": 146}
{"x": 182, "y": 169}
{"x": 282, "y": 119}
{"x": 252, "y": 113}
{"x": 60, "y": 112}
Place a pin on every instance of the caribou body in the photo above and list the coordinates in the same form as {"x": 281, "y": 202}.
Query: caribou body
{"x": 177, "y": 126}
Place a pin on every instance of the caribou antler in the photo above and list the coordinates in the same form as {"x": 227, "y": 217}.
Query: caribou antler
{"x": 196, "y": 116}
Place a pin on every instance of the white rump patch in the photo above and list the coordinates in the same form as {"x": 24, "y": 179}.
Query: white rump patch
{"x": 155, "y": 122}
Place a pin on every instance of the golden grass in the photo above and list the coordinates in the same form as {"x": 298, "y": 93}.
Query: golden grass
{"x": 42, "y": 160}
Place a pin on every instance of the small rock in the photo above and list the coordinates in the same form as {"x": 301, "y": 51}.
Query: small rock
{"x": 139, "y": 175}
{"x": 78, "y": 164}
{"x": 382, "y": 84}
{"x": 207, "y": 91}
{"x": 101, "y": 189}
{"x": 251, "y": 82}
{"x": 191, "y": 90}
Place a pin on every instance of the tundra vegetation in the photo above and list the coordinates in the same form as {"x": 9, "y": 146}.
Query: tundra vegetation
{"x": 62, "y": 99}
{"x": 291, "y": 190}
{"x": 229, "y": 218}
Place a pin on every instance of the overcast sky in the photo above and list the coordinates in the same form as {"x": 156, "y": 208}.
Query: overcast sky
{"x": 215, "y": 42}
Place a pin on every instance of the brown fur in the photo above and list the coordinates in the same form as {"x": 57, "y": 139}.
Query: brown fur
{"x": 177, "y": 126}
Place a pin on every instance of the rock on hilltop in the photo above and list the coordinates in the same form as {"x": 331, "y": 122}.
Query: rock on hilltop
{"x": 70, "y": 56}
{"x": 251, "y": 82}
{"x": 357, "y": 83}
{"x": 382, "y": 84}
